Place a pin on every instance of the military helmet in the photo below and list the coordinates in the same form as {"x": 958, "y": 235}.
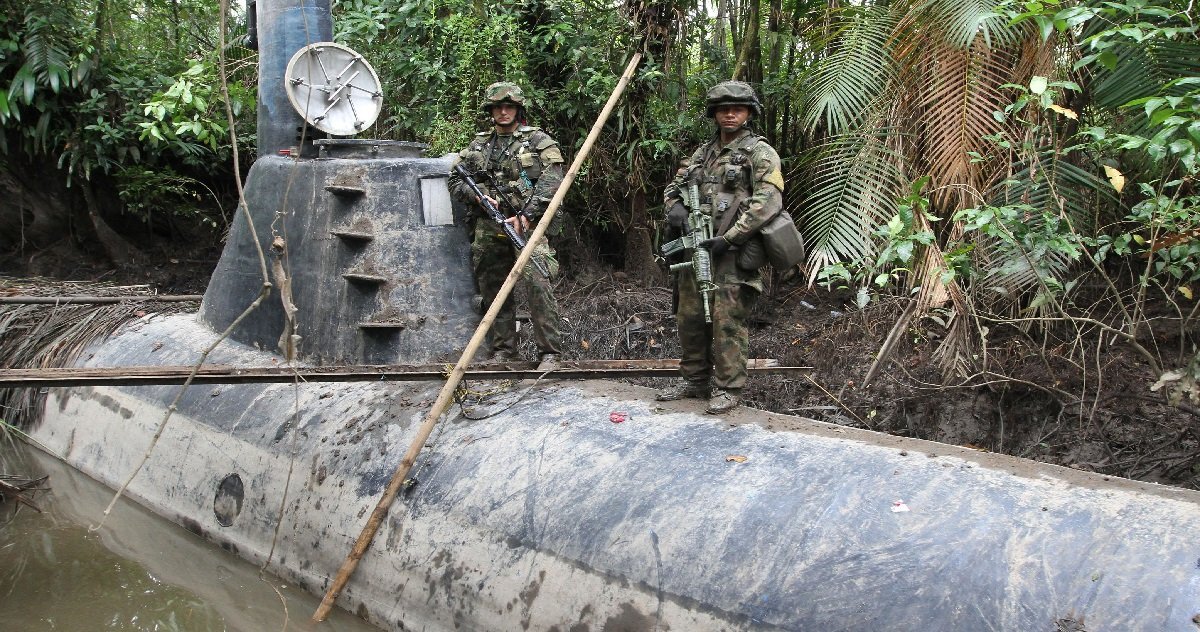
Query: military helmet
{"x": 502, "y": 91}
{"x": 732, "y": 93}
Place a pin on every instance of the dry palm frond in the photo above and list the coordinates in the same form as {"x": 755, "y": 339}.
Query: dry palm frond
{"x": 20, "y": 491}
{"x": 955, "y": 105}
{"x": 44, "y": 336}
{"x": 956, "y": 354}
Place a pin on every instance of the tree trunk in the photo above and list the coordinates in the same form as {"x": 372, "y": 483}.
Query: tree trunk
{"x": 749, "y": 47}
{"x": 719, "y": 31}
{"x": 119, "y": 251}
{"x": 639, "y": 243}
{"x": 32, "y": 216}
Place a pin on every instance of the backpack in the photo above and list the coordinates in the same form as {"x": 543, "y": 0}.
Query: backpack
{"x": 778, "y": 242}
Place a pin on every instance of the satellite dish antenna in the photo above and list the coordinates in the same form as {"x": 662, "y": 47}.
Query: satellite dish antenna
{"x": 333, "y": 88}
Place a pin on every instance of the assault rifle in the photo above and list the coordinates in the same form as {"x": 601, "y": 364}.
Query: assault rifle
{"x": 697, "y": 228}
{"x": 498, "y": 217}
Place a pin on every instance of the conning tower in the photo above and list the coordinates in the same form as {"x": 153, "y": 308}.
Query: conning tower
{"x": 379, "y": 272}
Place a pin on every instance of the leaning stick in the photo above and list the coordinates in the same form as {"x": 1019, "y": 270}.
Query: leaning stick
{"x": 443, "y": 400}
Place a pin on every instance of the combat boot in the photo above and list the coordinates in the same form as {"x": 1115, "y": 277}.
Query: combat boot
{"x": 549, "y": 362}
{"x": 501, "y": 357}
{"x": 723, "y": 401}
{"x": 684, "y": 390}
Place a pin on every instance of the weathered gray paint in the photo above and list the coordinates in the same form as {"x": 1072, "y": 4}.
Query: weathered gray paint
{"x": 426, "y": 285}
{"x": 549, "y": 516}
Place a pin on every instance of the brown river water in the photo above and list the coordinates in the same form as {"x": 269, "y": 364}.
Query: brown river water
{"x": 137, "y": 573}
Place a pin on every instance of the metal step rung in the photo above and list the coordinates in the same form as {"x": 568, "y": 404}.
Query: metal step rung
{"x": 353, "y": 237}
{"x": 364, "y": 278}
{"x": 345, "y": 190}
{"x": 383, "y": 326}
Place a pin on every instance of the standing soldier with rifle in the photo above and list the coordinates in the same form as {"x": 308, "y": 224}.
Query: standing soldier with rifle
{"x": 726, "y": 192}
{"x": 518, "y": 169}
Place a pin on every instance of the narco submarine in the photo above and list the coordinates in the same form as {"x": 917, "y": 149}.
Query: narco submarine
{"x": 549, "y": 516}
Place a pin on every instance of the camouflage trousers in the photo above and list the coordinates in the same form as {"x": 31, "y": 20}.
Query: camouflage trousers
{"x": 492, "y": 257}
{"x": 715, "y": 350}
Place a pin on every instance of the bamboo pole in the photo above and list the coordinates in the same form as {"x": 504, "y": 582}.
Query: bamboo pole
{"x": 443, "y": 400}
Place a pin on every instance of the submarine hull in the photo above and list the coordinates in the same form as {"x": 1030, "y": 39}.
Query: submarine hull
{"x": 547, "y": 515}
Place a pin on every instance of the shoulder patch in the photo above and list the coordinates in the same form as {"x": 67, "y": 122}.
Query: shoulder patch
{"x": 775, "y": 177}
{"x": 542, "y": 141}
{"x": 762, "y": 147}
{"x": 550, "y": 155}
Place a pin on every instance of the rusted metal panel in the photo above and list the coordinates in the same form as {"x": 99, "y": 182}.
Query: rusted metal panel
{"x": 217, "y": 374}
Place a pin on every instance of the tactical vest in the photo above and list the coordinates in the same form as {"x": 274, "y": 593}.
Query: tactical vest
{"x": 512, "y": 168}
{"x": 725, "y": 178}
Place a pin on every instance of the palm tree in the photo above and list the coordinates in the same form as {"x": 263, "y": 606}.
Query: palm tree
{"x": 927, "y": 89}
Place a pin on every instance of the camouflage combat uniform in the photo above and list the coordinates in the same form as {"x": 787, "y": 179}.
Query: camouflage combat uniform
{"x": 522, "y": 171}
{"x": 743, "y": 185}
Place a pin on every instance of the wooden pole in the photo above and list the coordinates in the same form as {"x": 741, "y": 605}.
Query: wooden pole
{"x": 444, "y": 398}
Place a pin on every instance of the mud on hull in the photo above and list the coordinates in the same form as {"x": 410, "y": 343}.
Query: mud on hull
{"x": 550, "y": 516}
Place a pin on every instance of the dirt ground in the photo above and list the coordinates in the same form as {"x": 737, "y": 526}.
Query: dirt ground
{"x": 1023, "y": 406}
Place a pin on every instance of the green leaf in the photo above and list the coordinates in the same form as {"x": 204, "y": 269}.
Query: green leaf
{"x": 1045, "y": 26}
{"x": 1085, "y": 60}
{"x": 1181, "y": 146}
{"x": 1161, "y": 116}
{"x": 1037, "y": 84}
{"x": 1132, "y": 32}
{"x": 29, "y": 86}
{"x": 1153, "y": 104}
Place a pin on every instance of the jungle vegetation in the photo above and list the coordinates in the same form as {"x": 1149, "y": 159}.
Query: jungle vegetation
{"x": 1017, "y": 165}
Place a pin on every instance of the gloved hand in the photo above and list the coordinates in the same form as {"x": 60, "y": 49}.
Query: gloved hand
{"x": 677, "y": 215}
{"x": 717, "y": 245}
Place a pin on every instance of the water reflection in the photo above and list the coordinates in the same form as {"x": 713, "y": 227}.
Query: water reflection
{"x": 139, "y": 573}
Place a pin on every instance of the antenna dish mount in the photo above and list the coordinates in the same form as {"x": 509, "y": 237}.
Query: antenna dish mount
{"x": 333, "y": 88}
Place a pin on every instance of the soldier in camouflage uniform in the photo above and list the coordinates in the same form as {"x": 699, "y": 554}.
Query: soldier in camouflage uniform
{"x": 739, "y": 178}
{"x": 519, "y": 168}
